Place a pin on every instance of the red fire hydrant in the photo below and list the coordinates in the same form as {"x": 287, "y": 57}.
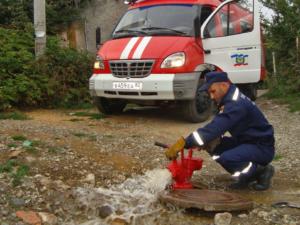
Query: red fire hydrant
{"x": 182, "y": 169}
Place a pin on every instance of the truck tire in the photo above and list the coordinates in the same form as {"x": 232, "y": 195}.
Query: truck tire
{"x": 109, "y": 106}
{"x": 250, "y": 90}
{"x": 198, "y": 109}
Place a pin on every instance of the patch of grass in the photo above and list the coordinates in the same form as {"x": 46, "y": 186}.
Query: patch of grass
{"x": 108, "y": 136}
{"x": 19, "y": 174}
{"x": 8, "y": 166}
{"x": 30, "y": 146}
{"x": 75, "y": 120}
{"x": 13, "y": 116}
{"x": 94, "y": 116}
{"x": 84, "y": 105}
{"x": 93, "y": 138}
{"x": 293, "y": 101}
{"x": 12, "y": 145}
{"x": 277, "y": 157}
{"x": 54, "y": 150}
{"x": 97, "y": 116}
{"x": 80, "y": 134}
{"x": 281, "y": 89}
{"x": 19, "y": 138}
{"x": 31, "y": 149}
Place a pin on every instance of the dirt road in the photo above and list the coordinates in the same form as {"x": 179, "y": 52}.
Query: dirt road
{"x": 64, "y": 150}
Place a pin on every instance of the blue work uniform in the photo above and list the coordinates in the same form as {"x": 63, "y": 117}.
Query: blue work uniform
{"x": 252, "y": 137}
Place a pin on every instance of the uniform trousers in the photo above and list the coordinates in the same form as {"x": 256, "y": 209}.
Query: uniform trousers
{"x": 242, "y": 159}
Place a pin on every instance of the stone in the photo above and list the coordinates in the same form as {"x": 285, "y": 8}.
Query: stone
{"x": 90, "y": 178}
{"x": 4, "y": 212}
{"x": 242, "y": 216}
{"x": 29, "y": 217}
{"x": 262, "y": 214}
{"x": 105, "y": 211}
{"x": 119, "y": 221}
{"x": 47, "y": 218}
{"x": 222, "y": 218}
{"x": 17, "y": 202}
{"x": 30, "y": 159}
{"x": 15, "y": 154}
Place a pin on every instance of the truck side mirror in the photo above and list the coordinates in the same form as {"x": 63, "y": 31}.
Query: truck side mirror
{"x": 197, "y": 27}
{"x": 98, "y": 37}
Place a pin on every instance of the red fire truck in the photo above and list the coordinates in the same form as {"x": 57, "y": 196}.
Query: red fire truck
{"x": 160, "y": 51}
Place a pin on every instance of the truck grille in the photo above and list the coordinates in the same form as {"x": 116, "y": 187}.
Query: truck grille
{"x": 131, "y": 68}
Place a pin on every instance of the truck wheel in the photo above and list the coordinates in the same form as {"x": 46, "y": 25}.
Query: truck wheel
{"x": 198, "y": 109}
{"x": 249, "y": 90}
{"x": 109, "y": 106}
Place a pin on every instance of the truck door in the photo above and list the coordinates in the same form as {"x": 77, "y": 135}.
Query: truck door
{"x": 231, "y": 40}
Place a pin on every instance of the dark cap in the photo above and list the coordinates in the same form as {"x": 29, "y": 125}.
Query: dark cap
{"x": 213, "y": 77}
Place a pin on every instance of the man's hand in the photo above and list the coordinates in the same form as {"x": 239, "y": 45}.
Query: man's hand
{"x": 171, "y": 152}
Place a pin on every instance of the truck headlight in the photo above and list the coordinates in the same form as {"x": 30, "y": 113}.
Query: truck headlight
{"x": 174, "y": 60}
{"x": 99, "y": 64}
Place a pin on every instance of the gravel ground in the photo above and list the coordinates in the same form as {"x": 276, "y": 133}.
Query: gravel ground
{"x": 64, "y": 152}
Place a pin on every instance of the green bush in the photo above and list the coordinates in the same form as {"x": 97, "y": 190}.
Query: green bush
{"x": 60, "y": 78}
{"x": 286, "y": 86}
{"x": 69, "y": 72}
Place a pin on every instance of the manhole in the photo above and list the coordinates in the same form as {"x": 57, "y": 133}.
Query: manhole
{"x": 208, "y": 200}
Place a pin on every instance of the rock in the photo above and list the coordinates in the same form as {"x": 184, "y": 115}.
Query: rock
{"x": 222, "y": 218}
{"x": 30, "y": 159}
{"x": 90, "y": 178}
{"x": 15, "y": 154}
{"x": 4, "y": 212}
{"x": 262, "y": 214}
{"x": 29, "y": 217}
{"x": 45, "y": 181}
{"x": 242, "y": 216}
{"x": 105, "y": 211}
{"x": 48, "y": 218}
{"x": 119, "y": 221}
{"x": 17, "y": 202}
{"x": 60, "y": 185}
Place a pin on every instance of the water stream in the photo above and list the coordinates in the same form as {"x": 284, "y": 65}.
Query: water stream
{"x": 132, "y": 201}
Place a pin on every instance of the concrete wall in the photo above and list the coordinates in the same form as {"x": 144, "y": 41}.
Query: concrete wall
{"x": 102, "y": 13}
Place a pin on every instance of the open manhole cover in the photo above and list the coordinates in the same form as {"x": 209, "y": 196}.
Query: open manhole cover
{"x": 207, "y": 200}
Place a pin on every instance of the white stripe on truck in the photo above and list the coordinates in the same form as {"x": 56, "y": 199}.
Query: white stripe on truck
{"x": 141, "y": 48}
{"x": 128, "y": 48}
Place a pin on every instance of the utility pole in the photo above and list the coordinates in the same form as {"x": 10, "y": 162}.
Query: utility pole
{"x": 40, "y": 27}
{"x": 297, "y": 47}
{"x": 274, "y": 64}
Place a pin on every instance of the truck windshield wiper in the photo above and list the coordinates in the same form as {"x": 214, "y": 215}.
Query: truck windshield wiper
{"x": 165, "y": 29}
{"x": 130, "y": 31}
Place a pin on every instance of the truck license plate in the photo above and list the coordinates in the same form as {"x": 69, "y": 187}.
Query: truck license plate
{"x": 128, "y": 85}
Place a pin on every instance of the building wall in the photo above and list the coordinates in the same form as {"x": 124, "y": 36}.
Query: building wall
{"x": 104, "y": 14}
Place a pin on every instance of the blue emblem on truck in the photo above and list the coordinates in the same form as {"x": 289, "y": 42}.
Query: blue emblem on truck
{"x": 240, "y": 59}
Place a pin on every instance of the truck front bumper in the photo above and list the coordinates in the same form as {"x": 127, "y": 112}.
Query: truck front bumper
{"x": 153, "y": 87}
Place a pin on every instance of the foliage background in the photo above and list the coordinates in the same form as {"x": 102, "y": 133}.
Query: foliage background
{"x": 60, "y": 78}
{"x": 281, "y": 33}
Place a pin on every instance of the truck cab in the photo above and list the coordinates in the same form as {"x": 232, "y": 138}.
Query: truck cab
{"x": 160, "y": 51}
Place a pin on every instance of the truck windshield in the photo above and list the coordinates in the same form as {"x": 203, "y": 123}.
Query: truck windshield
{"x": 171, "y": 20}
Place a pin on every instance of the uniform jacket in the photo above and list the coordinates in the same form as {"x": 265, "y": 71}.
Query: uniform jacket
{"x": 240, "y": 117}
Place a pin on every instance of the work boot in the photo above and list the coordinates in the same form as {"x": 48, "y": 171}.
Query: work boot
{"x": 242, "y": 183}
{"x": 264, "y": 176}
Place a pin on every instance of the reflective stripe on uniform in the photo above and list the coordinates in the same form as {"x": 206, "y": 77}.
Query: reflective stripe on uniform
{"x": 236, "y": 94}
{"x": 244, "y": 171}
{"x": 198, "y": 138}
{"x": 215, "y": 157}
